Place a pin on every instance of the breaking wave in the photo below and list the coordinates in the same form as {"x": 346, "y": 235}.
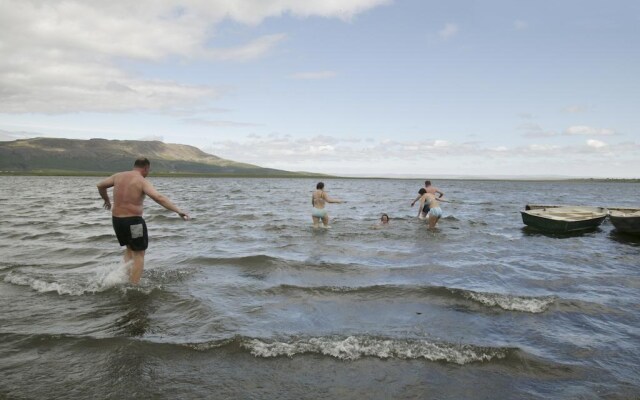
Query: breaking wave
{"x": 530, "y": 304}
{"x": 355, "y": 347}
{"x": 105, "y": 278}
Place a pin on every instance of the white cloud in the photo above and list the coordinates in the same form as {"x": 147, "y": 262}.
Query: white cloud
{"x": 217, "y": 123}
{"x": 323, "y": 149}
{"x": 596, "y": 144}
{"x": 62, "y": 56}
{"x": 441, "y": 143}
{"x": 251, "y": 51}
{"x": 540, "y": 149}
{"x": 281, "y": 150}
{"x": 314, "y": 75}
{"x": 449, "y": 31}
{"x": 588, "y": 130}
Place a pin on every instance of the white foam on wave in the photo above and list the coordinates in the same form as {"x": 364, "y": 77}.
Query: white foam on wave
{"x": 106, "y": 277}
{"x": 512, "y": 303}
{"x": 353, "y": 348}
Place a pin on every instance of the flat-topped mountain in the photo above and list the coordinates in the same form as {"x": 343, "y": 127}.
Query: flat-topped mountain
{"x": 42, "y": 155}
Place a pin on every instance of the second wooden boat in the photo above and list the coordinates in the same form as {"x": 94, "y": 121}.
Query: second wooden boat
{"x": 627, "y": 220}
{"x": 564, "y": 219}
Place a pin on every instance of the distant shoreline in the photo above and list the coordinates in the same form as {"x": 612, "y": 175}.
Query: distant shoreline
{"x": 309, "y": 176}
{"x": 162, "y": 174}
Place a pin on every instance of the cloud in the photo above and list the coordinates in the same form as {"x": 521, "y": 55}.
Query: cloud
{"x": 588, "y": 130}
{"x": 276, "y": 149}
{"x": 449, "y": 31}
{"x": 314, "y": 75}
{"x": 596, "y": 144}
{"x": 216, "y": 123}
{"x": 534, "y": 130}
{"x": 520, "y": 25}
{"x": 251, "y": 51}
{"x": 157, "y": 138}
{"x": 7, "y": 136}
{"x": 63, "y": 56}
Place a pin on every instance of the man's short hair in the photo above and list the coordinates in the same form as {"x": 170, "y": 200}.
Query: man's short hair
{"x": 427, "y": 183}
{"x": 142, "y": 162}
{"x": 320, "y": 185}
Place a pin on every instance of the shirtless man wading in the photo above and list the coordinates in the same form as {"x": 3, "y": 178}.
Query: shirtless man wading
{"x": 129, "y": 190}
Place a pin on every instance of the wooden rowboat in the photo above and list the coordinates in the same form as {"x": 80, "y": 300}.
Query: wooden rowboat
{"x": 627, "y": 221}
{"x": 540, "y": 206}
{"x": 564, "y": 219}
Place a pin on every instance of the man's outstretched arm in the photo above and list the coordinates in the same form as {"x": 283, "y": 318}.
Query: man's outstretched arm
{"x": 164, "y": 201}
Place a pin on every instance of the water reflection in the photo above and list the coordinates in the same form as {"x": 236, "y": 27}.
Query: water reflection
{"x": 529, "y": 231}
{"x": 625, "y": 238}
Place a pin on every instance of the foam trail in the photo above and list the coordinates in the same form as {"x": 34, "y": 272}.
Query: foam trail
{"x": 512, "y": 303}
{"x": 353, "y": 348}
{"x": 106, "y": 277}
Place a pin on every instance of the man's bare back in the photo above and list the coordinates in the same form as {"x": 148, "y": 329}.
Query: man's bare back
{"x": 128, "y": 194}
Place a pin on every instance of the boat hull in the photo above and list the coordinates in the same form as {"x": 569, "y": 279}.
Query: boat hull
{"x": 560, "y": 220}
{"x": 624, "y": 222}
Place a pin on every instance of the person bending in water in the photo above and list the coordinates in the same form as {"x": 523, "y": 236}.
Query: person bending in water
{"x": 422, "y": 212}
{"x": 129, "y": 190}
{"x": 318, "y": 200}
{"x": 429, "y": 200}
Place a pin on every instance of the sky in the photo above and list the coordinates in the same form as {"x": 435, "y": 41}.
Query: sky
{"x": 414, "y": 88}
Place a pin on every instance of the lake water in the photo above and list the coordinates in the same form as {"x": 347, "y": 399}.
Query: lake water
{"x": 248, "y": 301}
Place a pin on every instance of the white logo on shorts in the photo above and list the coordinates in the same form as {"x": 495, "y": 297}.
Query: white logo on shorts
{"x": 136, "y": 231}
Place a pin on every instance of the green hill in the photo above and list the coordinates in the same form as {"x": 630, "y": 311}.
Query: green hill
{"x": 102, "y": 156}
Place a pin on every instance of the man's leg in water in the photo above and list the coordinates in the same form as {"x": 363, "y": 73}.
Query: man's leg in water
{"x": 433, "y": 220}
{"x": 316, "y": 221}
{"x": 128, "y": 255}
{"x": 325, "y": 220}
{"x": 137, "y": 267}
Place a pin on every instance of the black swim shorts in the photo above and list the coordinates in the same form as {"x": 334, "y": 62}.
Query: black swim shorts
{"x": 426, "y": 209}
{"x": 131, "y": 232}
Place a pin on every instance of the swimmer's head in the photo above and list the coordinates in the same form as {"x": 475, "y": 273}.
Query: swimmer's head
{"x": 320, "y": 185}
{"x": 427, "y": 183}
{"x": 422, "y": 191}
{"x": 384, "y": 219}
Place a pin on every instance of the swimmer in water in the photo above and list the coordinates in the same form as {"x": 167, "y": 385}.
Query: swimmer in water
{"x": 429, "y": 188}
{"x": 318, "y": 200}
{"x": 435, "y": 212}
{"x": 384, "y": 219}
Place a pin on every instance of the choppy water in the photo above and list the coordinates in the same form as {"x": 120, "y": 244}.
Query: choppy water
{"x": 248, "y": 301}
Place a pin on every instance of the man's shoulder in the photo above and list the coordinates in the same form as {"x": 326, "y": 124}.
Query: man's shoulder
{"x": 128, "y": 176}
